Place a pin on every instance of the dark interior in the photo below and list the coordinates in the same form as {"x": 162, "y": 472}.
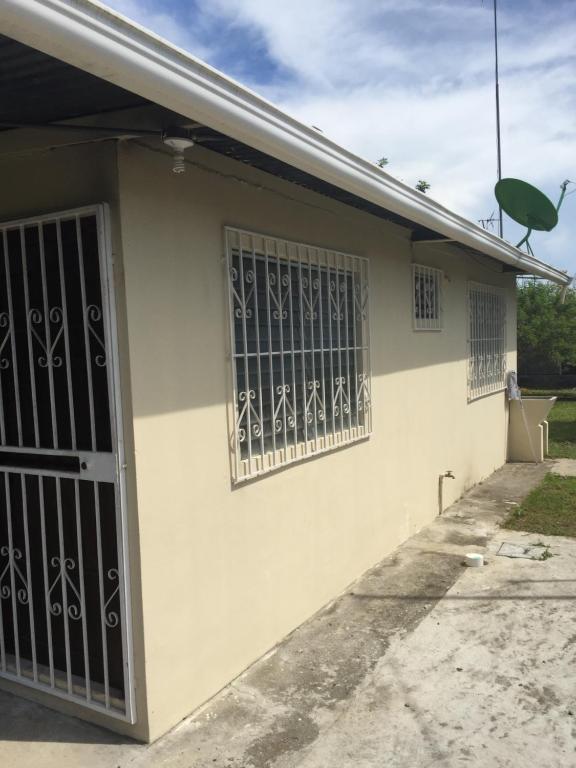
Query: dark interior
{"x": 58, "y": 537}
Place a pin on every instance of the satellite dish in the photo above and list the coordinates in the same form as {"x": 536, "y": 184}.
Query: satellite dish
{"x": 526, "y": 205}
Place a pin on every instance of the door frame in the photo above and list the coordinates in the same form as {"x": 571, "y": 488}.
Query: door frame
{"x": 101, "y": 211}
{"x": 109, "y": 298}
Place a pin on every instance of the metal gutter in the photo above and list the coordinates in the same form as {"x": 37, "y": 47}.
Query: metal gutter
{"x": 90, "y": 36}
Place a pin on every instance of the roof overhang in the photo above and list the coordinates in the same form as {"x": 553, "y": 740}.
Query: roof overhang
{"x": 95, "y": 39}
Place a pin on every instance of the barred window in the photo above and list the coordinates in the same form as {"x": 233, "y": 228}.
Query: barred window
{"x": 486, "y": 340}
{"x": 300, "y": 350}
{"x": 427, "y": 298}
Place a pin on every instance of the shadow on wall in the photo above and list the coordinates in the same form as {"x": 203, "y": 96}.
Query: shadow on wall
{"x": 195, "y": 331}
{"x": 175, "y": 281}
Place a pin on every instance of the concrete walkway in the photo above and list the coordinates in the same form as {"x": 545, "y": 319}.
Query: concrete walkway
{"x": 421, "y": 663}
{"x": 565, "y": 467}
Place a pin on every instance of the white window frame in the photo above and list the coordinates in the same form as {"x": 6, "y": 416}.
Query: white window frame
{"x": 487, "y": 352}
{"x": 427, "y": 311}
{"x": 295, "y": 392}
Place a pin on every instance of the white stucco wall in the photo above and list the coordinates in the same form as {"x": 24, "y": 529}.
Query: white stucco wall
{"x": 226, "y": 573}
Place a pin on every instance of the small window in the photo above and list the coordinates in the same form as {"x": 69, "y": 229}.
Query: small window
{"x": 486, "y": 340}
{"x": 427, "y": 298}
{"x": 300, "y": 351}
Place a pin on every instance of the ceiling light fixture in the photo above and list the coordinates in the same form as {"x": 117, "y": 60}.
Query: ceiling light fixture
{"x": 178, "y": 139}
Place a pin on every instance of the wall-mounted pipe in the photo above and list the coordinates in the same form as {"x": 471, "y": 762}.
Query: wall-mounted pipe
{"x": 449, "y": 474}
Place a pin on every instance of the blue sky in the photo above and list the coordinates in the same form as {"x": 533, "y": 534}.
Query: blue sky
{"x": 412, "y": 81}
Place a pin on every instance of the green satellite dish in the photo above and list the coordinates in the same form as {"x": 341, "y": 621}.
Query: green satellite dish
{"x": 528, "y": 206}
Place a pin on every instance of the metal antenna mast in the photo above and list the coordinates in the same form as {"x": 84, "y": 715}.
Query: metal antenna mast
{"x": 498, "y": 143}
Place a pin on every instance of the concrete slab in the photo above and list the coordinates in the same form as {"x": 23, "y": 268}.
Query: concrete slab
{"x": 528, "y": 551}
{"x": 422, "y": 662}
{"x": 486, "y": 679}
{"x": 32, "y": 736}
{"x": 566, "y": 467}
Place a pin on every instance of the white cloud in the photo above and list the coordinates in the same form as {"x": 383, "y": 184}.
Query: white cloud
{"x": 414, "y": 82}
{"x": 342, "y": 43}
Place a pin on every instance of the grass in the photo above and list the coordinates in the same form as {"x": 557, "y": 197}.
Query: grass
{"x": 550, "y": 509}
{"x": 562, "y": 430}
{"x": 561, "y": 394}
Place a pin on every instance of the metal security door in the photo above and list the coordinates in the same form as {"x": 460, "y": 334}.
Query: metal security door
{"x": 63, "y": 583}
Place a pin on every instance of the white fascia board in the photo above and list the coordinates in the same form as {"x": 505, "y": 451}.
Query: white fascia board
{"x": 94, "y": 38}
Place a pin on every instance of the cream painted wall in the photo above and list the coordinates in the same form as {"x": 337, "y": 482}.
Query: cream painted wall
{"x": 37, "y": 181}
{"x": 49, "y": 180}
{"x": 226, "y": 573}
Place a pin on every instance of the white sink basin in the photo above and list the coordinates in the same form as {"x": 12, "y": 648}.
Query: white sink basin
{"x": 537, "y": 408}
{"x": 528, "y": 429}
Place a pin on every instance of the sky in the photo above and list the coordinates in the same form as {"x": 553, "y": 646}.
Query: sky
{"x": 412, "y": 81}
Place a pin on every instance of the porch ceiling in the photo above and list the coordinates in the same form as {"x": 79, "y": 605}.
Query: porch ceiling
{"x": 37, "y": 88}
{"x": 40, "y": 91}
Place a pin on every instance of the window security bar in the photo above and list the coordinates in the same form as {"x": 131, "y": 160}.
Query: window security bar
{"x": 427, "y": 298}
{"x": 486, "y": 340}
{"x": 300, "y": 350}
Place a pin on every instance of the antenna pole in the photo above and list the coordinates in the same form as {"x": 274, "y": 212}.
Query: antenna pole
{"x": 498, "y": 144}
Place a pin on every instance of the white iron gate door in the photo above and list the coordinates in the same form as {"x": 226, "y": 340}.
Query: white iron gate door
{"x": 63, "y": 583}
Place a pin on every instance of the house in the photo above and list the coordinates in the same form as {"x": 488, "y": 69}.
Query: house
{"x": 224, "y": 392}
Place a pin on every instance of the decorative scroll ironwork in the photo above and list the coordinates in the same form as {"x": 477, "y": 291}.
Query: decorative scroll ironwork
{"x": 279, "y": 299}
{"x": 248, "y": 413}
{"x": 55, "y": 317}
{"x": 299, "y": 327}
{"x": 310, "y": 291}
{"x": 337, "y": 299}
{"x": 363, "y": 402}
{"x": 361, "y": 301}
{"x": 12, "y": 570}
{"x": 94, "y": 315}
{"x": 315, "y": 408}
{"x": 6, "y": 327}
{"x": 284, "y": 405}
{"x": 341, "y": 399}
{"x": 243, "y": 311}
{"x": 112, "y": 617}
{"x": 64, "y": 579}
